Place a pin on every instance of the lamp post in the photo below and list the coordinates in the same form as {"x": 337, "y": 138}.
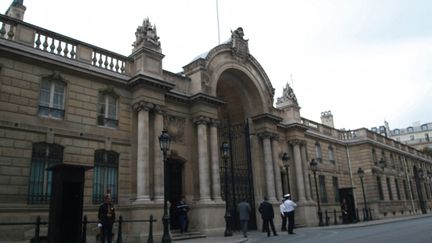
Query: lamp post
{"x": 285, "y": 159}
{"x": 314, "y": 167}
{"x": 361, "y": 173}
{"x": 164, "y": 143}
{"x": 225, "y": 154}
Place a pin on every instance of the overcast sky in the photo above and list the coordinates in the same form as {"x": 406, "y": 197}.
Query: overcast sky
{"x": 365, "y": 60}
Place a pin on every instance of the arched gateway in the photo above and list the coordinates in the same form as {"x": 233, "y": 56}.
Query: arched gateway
{"x": 231, "y": 74}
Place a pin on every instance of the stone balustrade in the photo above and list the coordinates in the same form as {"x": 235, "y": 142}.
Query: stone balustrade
{"x": 24, "y": 33}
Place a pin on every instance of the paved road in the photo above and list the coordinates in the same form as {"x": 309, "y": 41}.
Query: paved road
{"x": 412, "y": 230}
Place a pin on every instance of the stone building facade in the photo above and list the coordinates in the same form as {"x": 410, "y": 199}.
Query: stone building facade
{"x": 66, "y": 101}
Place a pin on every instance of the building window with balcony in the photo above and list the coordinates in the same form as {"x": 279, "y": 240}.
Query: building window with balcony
{"x": 331, "y": 154}
{"x": 374, "y": 156}
{"x": 44, "y": 155}
{"x": 322, "y": 189}
{"x": 52, "y": 97}
{"x": 107, "y": 109}
{"x": 105, "y": 177}
{"x": 412, "y": 137}
{"x": 427, "y": 137}
{"x": 405, "y": 185}
{"x": 318, "y": 153}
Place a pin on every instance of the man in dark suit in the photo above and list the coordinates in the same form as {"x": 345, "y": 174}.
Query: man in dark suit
{"x": 267, "y": 215}
{"x": 106, "y": 216}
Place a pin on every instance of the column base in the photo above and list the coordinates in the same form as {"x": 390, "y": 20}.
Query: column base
{"x": 142, "y": 200}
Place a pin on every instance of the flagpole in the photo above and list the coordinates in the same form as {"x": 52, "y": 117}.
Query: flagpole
{"x": 217, "y": 16}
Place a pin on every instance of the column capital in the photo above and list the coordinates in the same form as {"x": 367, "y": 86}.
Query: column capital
{"x": 201, "y": 120}
{"x": 297, "y": 142}
{"x": 215, "y": 122}
{"x": 158, "y": 109}
{"x": 269, "y": 135}
{"x": 142, "y": 106}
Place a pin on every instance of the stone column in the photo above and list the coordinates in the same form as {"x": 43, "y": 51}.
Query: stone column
{"x": 214, "y": 149}
{"x": 306, "y": 173}
{"x": 157, "y": 153}
{"x": 277, "y": 173}
{"x": 143, "y": 160}
{"x": 299, "y": 172}
{"x": 203, "y": 158}
{"x": 268, "y": 166}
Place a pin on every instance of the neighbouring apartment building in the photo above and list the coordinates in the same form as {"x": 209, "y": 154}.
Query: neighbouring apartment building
{"x": 63, "y": 101}
{"x": 417, "y": 135}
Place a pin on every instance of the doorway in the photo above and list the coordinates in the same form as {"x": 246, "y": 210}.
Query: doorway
{"x": 175, "y": 191}
{"x": 347, "y": 196}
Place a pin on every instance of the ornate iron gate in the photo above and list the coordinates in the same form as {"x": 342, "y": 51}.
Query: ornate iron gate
{"x": 240, "y": 182}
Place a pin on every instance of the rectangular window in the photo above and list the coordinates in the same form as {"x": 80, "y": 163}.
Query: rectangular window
{"x": 405, "y": 189}
{"x": 380, "y": 190}
{"x": 331, "y": 155}
{"x": 412, "y": 191}
{"x": 426, "y": 190}
{"x": 51, "y": 100}
{"x": 107, "y": 110}
{"x": 105, "y": 177}
{"x": 397, "y": 189}
{"x": 322, "y": 189}
{"x": 44, "y": 155}
{"x": 389, "y": 189}
{"x": 336, "y": 188}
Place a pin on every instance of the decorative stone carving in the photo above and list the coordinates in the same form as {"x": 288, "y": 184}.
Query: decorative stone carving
{"x": 142, "y": 105}
{"x": 239, "y": 45}
{"x": 175, "y": 127}
{"x": 201, "y": 120}
{"x": 288, "y": 97}
{"x": 146, "y": 35}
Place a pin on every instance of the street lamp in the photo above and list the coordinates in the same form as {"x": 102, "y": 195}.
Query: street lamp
{"x": 314, "y": 167}
{"x": 361, "y": 173}
{"x": 225, "y": 154}
{"x": 164, "y": 143}
{"x": 285, "y": 159}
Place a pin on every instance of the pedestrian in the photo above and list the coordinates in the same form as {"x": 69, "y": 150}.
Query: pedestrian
{"x": 106, "y": 216}
{"x": 244, "y": 210}
{"x": 284, "y": 219}
{"x": 182, "y": 210}
{"x": 344, "y": 211}
{"x": 267, "y": 215}
{"x": 289, "y": 208}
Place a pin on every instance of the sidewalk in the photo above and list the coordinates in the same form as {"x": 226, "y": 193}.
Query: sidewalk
{"x": 255, "y": 235}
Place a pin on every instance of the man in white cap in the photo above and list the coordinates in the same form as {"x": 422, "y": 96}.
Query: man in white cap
{"x": 288, "y": 209}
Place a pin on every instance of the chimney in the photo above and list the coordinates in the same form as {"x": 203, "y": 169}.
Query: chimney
{"x": 16, "y": 10}
{"x": 327, "y": 118}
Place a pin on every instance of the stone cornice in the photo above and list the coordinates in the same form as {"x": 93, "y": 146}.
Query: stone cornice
{"x": 267, "y": 117}
{"x": 150, "y": 82}
{"x": 205, "y": 98}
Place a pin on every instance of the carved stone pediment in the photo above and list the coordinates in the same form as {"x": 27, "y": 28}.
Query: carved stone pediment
{"x": 239, "y": 45}
{"x": 175, "y": 126}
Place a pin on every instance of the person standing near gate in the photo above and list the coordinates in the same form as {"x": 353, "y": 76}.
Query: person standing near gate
{"x": 106, "y": 216}
{"x": 182, "y": 210}
{"x": 289, "y": 207}
{"x": 284, "y": 219}
{"x": 267, "y": 215}
{"x": 244, "y": 210}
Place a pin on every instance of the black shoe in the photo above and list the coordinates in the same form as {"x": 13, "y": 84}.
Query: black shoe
{"x": 291, "y": 233}
{"x": 275, "y": 234}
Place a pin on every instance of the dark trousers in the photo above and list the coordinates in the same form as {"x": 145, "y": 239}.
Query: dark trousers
{"x": 284, "y": 223}
{"x": 244, "y": 226}
{"x": 290, "y": 216}
{"x": 106, "y": 233}
{"x": 183, "y": 220}
{"x": 268, "y": 222}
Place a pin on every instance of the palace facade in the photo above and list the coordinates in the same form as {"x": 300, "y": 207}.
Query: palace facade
{"x": 63, "y": 101}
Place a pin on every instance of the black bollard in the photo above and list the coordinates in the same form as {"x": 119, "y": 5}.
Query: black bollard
{"x": 119, "y": 234}
{"x": 335, "y": 217}
{"x": 84, "y": 230}
{"x": 150, "y": 237}
{"x": 37, "y": 229}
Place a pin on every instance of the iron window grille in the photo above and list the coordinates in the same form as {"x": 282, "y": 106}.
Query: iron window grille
{"x": 44, "y": 155}
{"x": 105, "y": 177}
{"x": 322, "y": 188}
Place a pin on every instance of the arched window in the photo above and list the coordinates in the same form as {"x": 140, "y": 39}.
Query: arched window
{"x": 424, "y": 127}
{"x": 44, "y": 155}
{"x": 410, "y": 129}
{"x": 105, "y": 177}
{"x": 396, "y": 131}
